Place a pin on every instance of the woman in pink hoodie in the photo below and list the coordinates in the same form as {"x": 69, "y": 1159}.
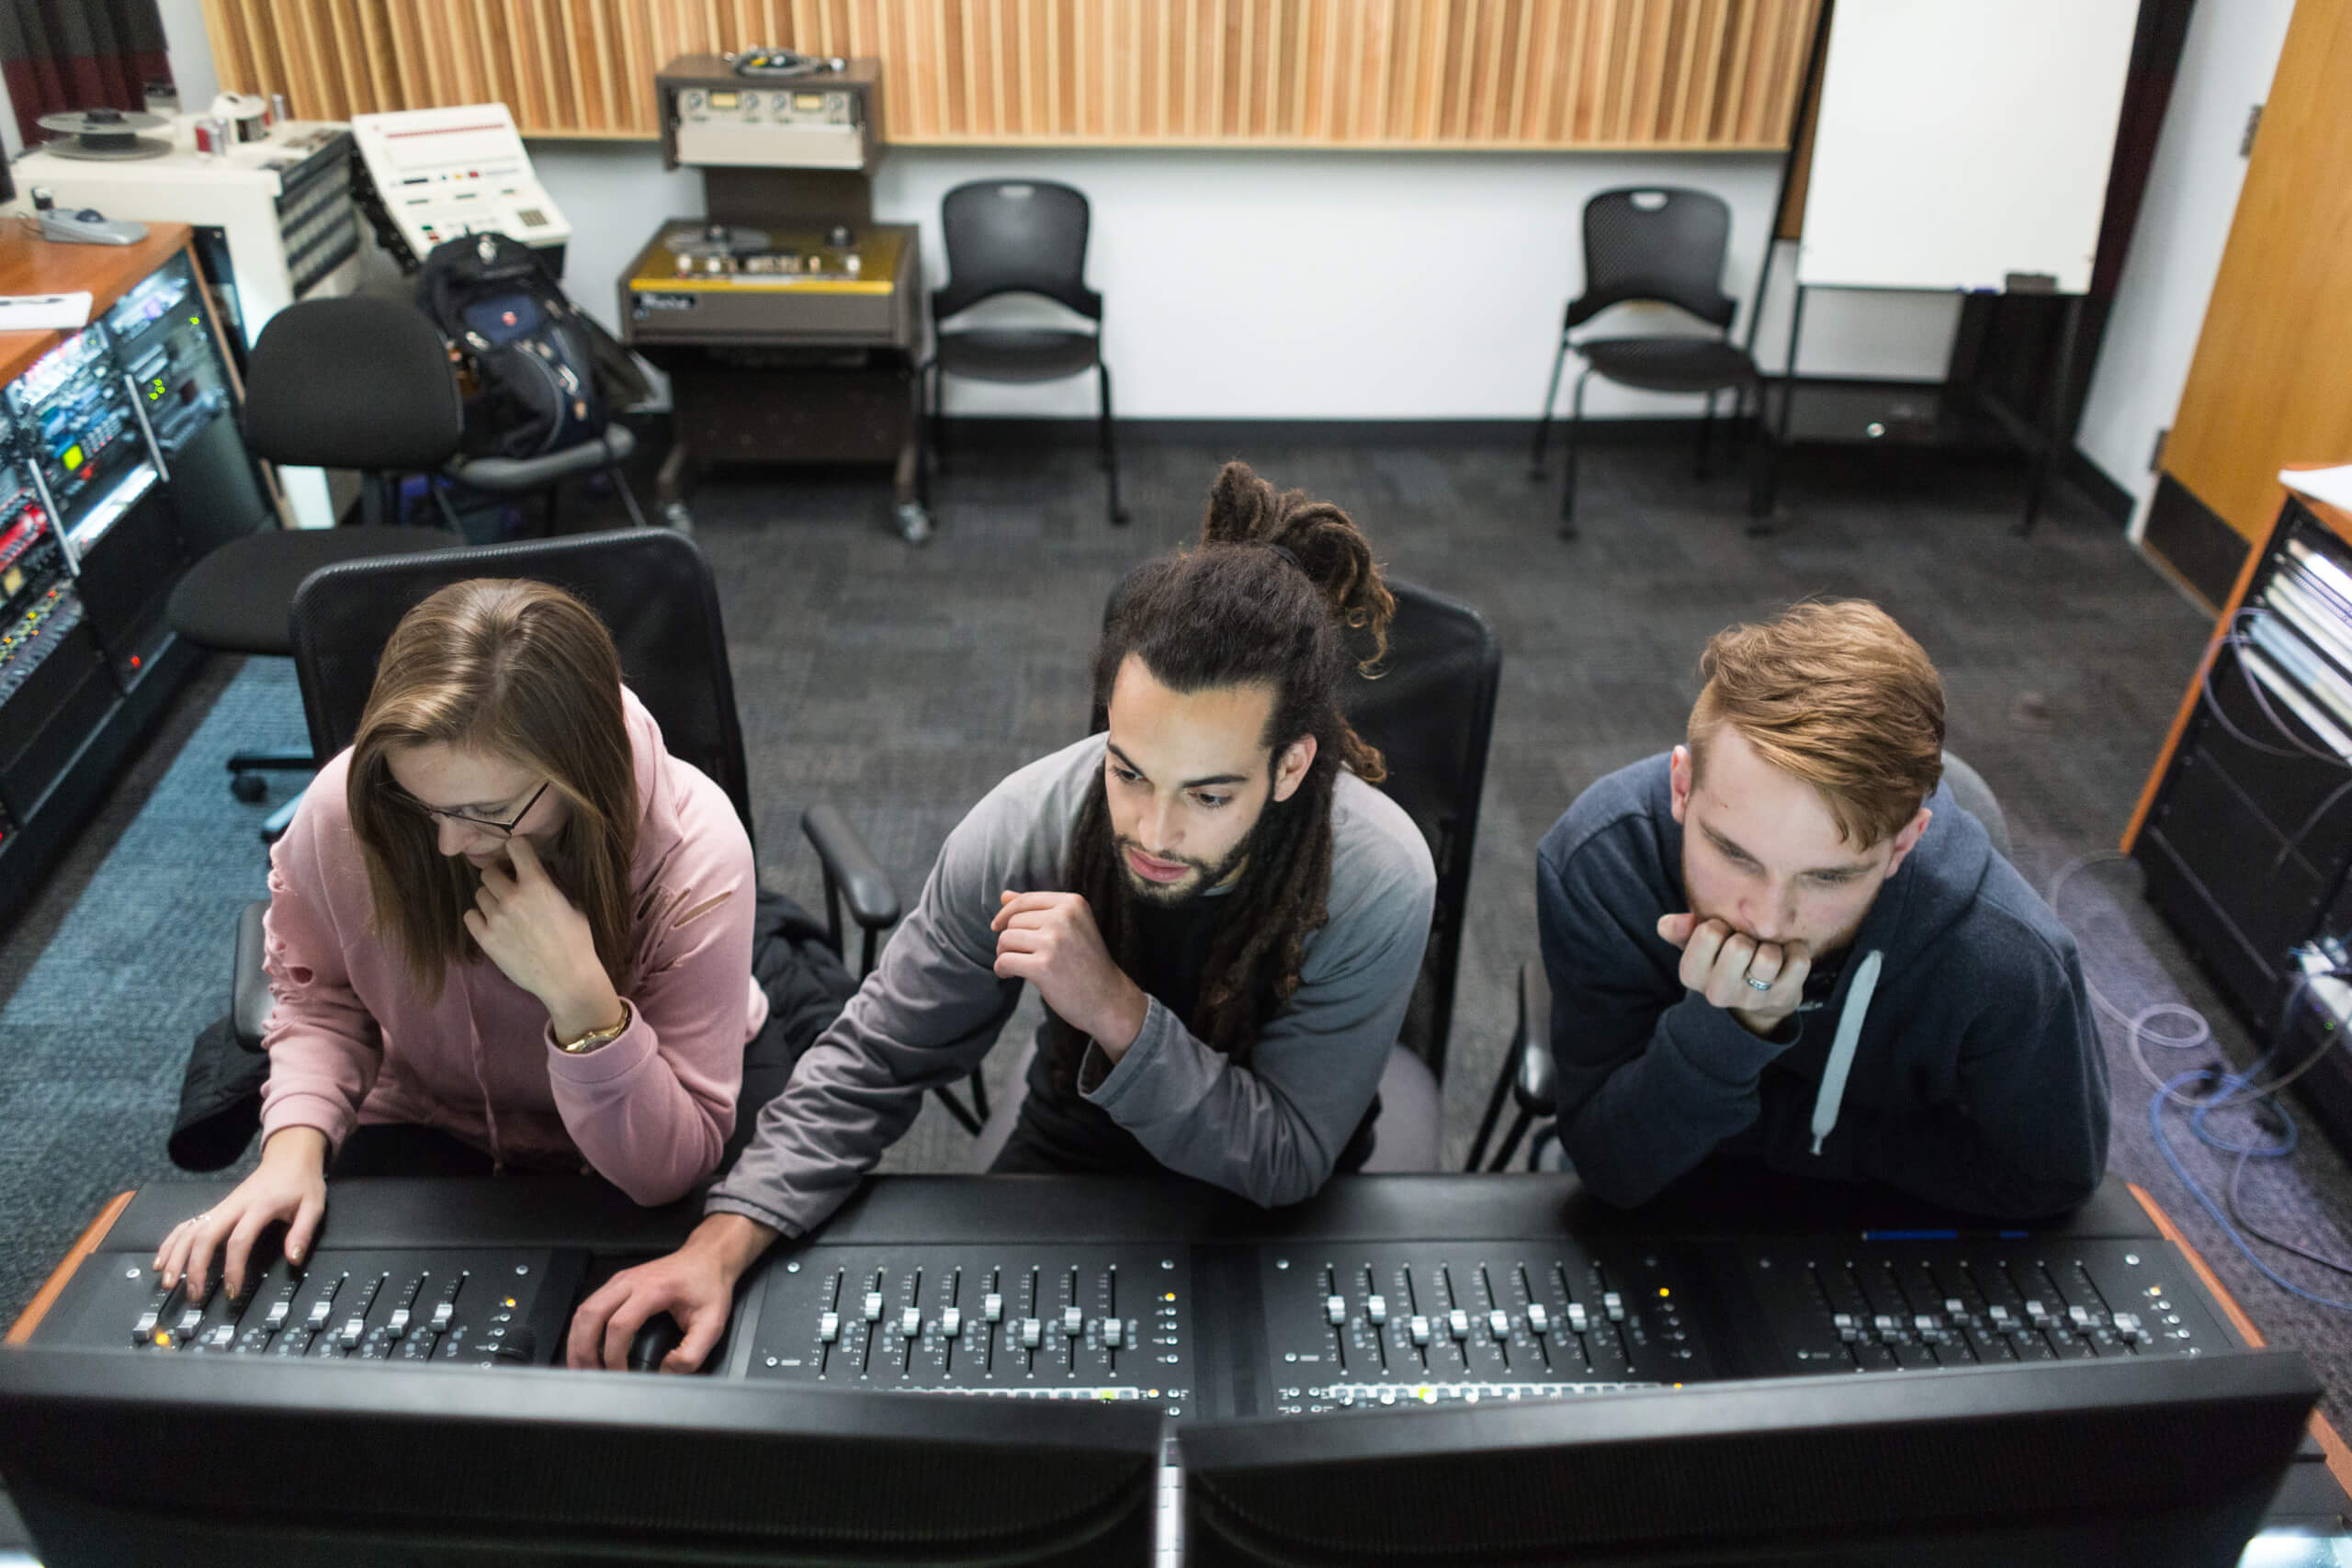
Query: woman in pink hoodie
{"x": 505, "y": 914}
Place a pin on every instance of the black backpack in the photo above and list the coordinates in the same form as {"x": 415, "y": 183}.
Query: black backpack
{"x": 532, "y": 355}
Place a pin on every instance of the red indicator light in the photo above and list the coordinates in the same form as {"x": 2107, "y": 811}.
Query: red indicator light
{"x": 134, "y": 662}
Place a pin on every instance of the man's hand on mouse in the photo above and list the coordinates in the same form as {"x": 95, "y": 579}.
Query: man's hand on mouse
{"x": 696, "y": 1285}
{"x": 1718, "y": 962}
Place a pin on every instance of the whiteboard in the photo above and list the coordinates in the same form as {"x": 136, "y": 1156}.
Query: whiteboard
{"x": 1960, "y": 141}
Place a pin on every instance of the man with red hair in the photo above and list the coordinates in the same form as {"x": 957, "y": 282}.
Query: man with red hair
{"x": 1784, "y": 944}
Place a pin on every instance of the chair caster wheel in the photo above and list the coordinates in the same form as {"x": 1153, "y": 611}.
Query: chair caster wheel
{"x": 249, "y": 787}
{"x": 914, "y": 522}
{"x": 675, "y": 517}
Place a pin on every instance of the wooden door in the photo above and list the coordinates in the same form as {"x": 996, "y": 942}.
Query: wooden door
{"x": 2272, "y": 380}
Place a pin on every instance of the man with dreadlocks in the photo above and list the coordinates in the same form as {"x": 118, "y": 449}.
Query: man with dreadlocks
{"x": 1222, "y": 917}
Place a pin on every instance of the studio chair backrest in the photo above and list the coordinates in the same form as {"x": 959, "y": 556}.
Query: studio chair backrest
{"x": 353, "y": 383}
{"x": 1431, "y": 711}
{"x": 1656, "y": 242}
{"x": 652, "y": 589}
{"x": 1015, "y": 237}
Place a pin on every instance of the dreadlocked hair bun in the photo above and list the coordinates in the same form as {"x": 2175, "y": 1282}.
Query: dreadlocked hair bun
{"x": 1283, "y": 593}
{"x": 1322, "y": 539}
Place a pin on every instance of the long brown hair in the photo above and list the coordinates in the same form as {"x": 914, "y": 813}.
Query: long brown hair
{"x": 1270, "y": 596}
{"x": 525, "y": 672}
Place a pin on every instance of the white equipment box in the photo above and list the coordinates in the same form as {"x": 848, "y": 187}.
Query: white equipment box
{"x": 274, "y": 218}
{"x": 443, "y": 174}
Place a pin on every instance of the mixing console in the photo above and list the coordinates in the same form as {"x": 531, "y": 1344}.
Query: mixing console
{"x": 1214, "y": 1323}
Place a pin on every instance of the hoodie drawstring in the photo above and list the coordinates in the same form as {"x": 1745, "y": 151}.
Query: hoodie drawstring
{"x": 1841, "y": 1047}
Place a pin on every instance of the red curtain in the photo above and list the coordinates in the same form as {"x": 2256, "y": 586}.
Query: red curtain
{"x": 61, "y": 55}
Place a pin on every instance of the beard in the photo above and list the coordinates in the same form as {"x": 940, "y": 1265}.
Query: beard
{"x": 1206, "y": 875}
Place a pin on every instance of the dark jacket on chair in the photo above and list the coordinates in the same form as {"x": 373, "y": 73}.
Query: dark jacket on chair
{"x": 1977, "y": 1079}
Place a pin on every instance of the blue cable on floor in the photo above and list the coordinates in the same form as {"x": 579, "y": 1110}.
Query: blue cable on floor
{"x": 2233, "y": 1088}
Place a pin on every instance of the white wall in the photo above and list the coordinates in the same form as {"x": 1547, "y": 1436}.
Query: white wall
{"x": 190, "y": 51}
{"x": 1304, "y": 286}
{"x": 1284, "y": 286}
{"x": 2225, "y": 68}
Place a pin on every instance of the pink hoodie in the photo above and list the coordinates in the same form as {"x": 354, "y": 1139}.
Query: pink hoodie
{"x": 351, "y": 1041}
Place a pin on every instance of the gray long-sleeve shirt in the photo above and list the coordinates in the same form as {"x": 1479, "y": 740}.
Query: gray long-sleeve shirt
{"x": 1270, "y": 1130}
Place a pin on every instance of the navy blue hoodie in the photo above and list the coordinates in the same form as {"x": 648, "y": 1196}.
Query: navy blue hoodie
{"x": 1977, "y": 1079}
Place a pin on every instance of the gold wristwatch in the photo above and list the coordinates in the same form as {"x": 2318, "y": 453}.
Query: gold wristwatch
{"x": 596, "y": 1037}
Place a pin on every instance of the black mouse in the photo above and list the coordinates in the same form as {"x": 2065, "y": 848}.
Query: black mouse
{"x": 654, "y": 1342}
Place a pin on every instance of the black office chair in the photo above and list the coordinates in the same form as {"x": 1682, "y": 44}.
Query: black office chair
{"x": 653, "y": 588}
{"x": 1431, "y": 710}
{"x": 1529, "y": 1075}
{"x": 1017, "y": 237}
{"x": 1663, "y": 245}
{"x": 354, "y": 383}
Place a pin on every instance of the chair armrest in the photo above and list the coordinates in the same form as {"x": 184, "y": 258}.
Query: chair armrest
{"x": 512, "y": 476}
{"x": 852, "y": 873}
{"x": 249, "y": 998}
{"x": 1535, "y": 1087}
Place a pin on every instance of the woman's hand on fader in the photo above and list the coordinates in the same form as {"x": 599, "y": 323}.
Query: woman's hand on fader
{"x": 290, "y": 1186}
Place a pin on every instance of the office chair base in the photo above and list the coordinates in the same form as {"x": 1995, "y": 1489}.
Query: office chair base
{"x": 915, "y": 525}
{"x": 249, "y": 787}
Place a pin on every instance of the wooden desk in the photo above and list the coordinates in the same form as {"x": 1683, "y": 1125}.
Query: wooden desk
{"x": 29, "y": 264}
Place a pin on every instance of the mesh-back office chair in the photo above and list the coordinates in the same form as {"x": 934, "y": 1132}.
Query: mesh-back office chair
{"x": 354, "y": 383}
{"x": 654, "y": 590}
{"x": 1528, "y": 1075}
{"x": 1662, "y": 245}
{"x": 1017, "y": 237}
{"x": 1431, "y": 713}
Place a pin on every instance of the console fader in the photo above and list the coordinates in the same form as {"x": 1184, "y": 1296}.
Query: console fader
{"x": 463, "y": 1306}
{"x": 1090, "y": 1323}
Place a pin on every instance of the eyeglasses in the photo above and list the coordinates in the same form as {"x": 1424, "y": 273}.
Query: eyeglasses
{"x": 503, "y": 830}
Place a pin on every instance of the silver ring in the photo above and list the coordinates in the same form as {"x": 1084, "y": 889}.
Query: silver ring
{"x": 1756, "y": 984}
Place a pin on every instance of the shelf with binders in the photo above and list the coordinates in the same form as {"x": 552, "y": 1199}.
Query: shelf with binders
{"x": 2247, "y": 832}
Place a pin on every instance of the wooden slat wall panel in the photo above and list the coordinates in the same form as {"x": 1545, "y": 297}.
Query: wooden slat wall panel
{"x": 1703, "y": 75}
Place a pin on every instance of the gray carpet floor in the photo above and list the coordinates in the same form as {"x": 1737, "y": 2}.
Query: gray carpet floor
{"x": 900, "y": 683}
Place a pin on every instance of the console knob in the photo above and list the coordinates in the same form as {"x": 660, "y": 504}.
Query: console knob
{"x": 1420, "y": 1329}
{"x": 829, "y": 1328}
{"x": 1335, "y": 1310}
{"x": 1499, "y": 1322}
{"x": 951, "y": 1321}
{"x": 1376, "y": 1309}
{"x": 1032, "y": 1333}
{"x": 992, "y": 1308}
{"x": 1073, "y": 1322}
{"x": 910, "y": 1323}
{"x": 873, "y": 1307}
{"x": 1457, "y": 1322}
